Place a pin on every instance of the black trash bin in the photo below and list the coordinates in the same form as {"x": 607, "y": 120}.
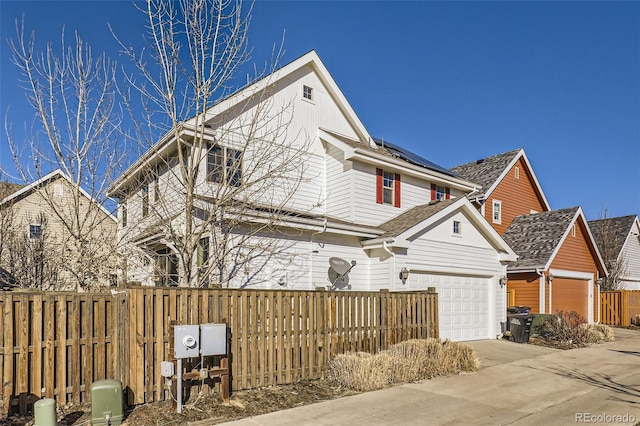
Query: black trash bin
{"x": 516, "y": 311}
{"x": 520, "y": 328}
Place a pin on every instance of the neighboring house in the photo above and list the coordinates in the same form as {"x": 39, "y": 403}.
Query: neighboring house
{"x": 510, "y": 188}
{"x": 548, "y": 243}
{"x": 365, "y": 212}
{"x": 618, "y": 240}
{"x": 37, "y": 242}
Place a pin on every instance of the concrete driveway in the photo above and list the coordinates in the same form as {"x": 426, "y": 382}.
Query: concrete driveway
{"x": 517, "y": 384}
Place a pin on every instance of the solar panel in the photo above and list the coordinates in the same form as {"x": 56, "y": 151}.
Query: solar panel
{"x": 412, "y": 157}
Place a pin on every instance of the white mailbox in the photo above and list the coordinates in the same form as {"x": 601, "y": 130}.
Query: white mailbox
{"x": 213, "y": 339}
{"x": 186, "y": 341}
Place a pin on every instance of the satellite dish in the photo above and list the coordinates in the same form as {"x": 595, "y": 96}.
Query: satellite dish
{"x": 341, "y": 266}
{"x": 339, "y": 272}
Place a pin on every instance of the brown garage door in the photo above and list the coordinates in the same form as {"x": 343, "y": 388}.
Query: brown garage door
{"x": 570, "y": 295}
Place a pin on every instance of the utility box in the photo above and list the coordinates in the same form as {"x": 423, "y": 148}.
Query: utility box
{"x": 44, "y": 412}
{"x": 107, "y": 406}
{"x": 213, "y": 339}
{"x": 186, "y": 341}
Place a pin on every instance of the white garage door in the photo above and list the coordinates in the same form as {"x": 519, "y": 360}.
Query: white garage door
{"x": 463, "y": 305}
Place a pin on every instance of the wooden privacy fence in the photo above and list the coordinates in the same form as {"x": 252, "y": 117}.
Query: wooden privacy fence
{"x": 619, "y": 307}
{"x": 56, "y": 344}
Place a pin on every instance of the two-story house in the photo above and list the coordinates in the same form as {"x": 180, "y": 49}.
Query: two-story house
{"x": 311, "y": 200}
{"x": 558, "y": 264}
{"x": 618, "y": 239}
{"x": 55, "y": 236}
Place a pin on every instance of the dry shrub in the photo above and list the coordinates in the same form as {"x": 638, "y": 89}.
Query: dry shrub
{"x": 599, "y": 333}
{"x": 404, "y": 362}
{"x": 362, "y": 371}
{"x": 565, "y": 327}
{"x": 636, "y": 321}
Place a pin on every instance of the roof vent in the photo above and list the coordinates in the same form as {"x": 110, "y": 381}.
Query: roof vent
{"x": 480, "y": 161}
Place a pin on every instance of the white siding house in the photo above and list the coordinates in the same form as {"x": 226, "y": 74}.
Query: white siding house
{"x": 354, "y": 198}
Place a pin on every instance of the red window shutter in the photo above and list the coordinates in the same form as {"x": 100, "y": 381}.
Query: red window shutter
{"x": 396, "y": 190}
{"x": 379, "y": 186}
{"x": 433, "y": 191}
{"x": 447, "y": 193}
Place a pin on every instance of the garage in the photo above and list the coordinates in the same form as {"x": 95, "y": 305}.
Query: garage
{"x": 463, "y": 305}
{"x": 570, "y": 294}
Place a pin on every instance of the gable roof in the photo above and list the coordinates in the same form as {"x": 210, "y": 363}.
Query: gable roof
{"x": 27, "y": 190}
{"x": 407, "y": 224}
{"x": 615, "y": 229}
{"x": 537, "y": 237}
{"x": 488, "y": 172}
{"x": 244, "y": 94}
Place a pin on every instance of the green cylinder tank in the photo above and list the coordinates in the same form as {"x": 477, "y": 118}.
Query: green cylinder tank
{"x": 44, "y": 412}
{"x": 107, "y": 406}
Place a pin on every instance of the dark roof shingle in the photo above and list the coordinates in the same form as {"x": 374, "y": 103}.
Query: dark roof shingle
{"x": 486, "y": 171}
{"x": 535, "y": 237}
{"x": 614, "y": 229}
{"x": 412, "y": 217}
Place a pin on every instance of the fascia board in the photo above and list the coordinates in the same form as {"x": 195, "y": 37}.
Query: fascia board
{"x": 630, "y": 235}
{"x": 513, "y": 162}
{"x": 312, "y": 59}
{"x": 50, "y": 176}
{"x": 409, "y": 169}
{"x": 591, "y": 241}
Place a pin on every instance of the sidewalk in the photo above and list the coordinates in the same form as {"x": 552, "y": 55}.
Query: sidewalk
{"x": 517, "y": 384}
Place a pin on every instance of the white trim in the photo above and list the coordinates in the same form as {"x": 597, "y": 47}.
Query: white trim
{"x": 513, "y": 162}
{"x": 562, "y": 273}
{"x": 541, "y": 293}
{"x": 51, "y": 176}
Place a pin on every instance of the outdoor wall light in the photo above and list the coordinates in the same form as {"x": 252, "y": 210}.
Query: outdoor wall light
{"x": 550, "y": 278}
{"x": 404, "y": 274}
{"x": 503, "y": 281}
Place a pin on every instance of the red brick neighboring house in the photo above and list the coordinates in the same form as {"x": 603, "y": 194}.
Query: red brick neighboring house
{"x": 559, "y": 263}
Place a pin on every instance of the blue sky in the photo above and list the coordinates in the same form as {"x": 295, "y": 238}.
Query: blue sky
{"x": 451, "y": 81}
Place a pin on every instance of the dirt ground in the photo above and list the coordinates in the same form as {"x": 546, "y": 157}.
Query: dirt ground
{"x": 204, "y": 407}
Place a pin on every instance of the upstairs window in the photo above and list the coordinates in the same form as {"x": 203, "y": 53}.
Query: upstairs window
{"x": 440, "y": 192}
{"x": 35, "y": 231}
{"x": 497, "y": 212}
{"x": 387, "y": 188}
{"x": 517, "y": 172}
{"x": 457, "y": 230}
{"x": 307, "y": 92}
{"x": 145, "y": 201}
{"x": 224, "y": 165}
{"x": 123, "y": 212}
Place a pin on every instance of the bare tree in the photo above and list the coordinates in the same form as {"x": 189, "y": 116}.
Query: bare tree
{"x": 226, "y": 179}
{"x": 73, "y": 94}
{"x": 610, "y": 242}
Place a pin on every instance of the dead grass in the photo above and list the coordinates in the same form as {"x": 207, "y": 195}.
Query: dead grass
{"x": 404, "y": 362}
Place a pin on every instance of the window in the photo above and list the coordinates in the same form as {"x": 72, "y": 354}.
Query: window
{"x": 573, "y": 230}
{"x": 123, "y": 211}
{"x": 517, "y": 172}
{"x": 307, "y": 92}
{"x": 35, "y": 231}
{"x": 440, "y": 192}
{"x": 456, "y": 228}
{"x": 156, "y": 189}
{"x": 387, "y": 188}
{"x": 203, "y": 252}
{"x": 497, "y": 212}
{"x": 58, "y": 190}
{"x": 145, "y": 200}
{"x": 224, "y": 165}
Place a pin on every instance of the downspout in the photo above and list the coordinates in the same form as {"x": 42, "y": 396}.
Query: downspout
{"x": 541, "y": 290}
{"x": 312, "y": 251}
{"x": 393, "y": 262}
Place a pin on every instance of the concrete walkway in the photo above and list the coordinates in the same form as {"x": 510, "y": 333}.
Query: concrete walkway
{"x": 517, "y": 384}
